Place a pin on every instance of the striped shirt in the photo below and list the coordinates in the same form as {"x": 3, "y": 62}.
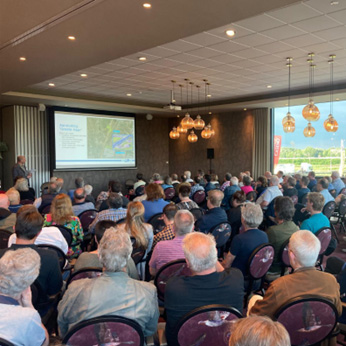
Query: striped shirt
{"x": 108, "y": 214}
{"x": 167, "y": 251}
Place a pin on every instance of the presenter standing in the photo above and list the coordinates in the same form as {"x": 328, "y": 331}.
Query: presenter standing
{"x": 19, "y": 169}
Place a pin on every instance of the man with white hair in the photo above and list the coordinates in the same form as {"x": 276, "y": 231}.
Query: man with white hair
{"x": 113, "y": 293}
{"x": 229, "y": 192}
{"x": 170, "y": 250}
{"x": 188, "y": 177}
{"x": 270, "y": 193}
{"x": 20, "y": 323}
{"x": 19, "y": 169}
{"x": 305, "y": 280}
{"x": 337, "y": 183}
{"x": 209, "y": 283}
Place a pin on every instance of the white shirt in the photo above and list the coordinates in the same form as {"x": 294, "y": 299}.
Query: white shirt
{"x": 48, "y": 236}
{"x": 269, "y": 194}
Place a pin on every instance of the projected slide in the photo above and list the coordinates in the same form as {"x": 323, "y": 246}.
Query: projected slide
{"x": 94, "y": 141}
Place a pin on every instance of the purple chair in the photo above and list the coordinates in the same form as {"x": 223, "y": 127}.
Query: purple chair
{"x": 207, "y": 325}
{"x": 343, "y": 191}
{"x": 105, "y": 330}
{"x": 324, "y": 235}
{"x": 259, "y": 263}
{"x": 26, "y": 201}
{"x": 169, "y": 193}
{"x": 329, "y": 209}
{"x": 85, "y": 273}
{"x": 138, "y": 253}
{"x": 294, "y": 199}
{"x": 157, "y": 222}
{"x": 308, "y": 320}
{"x": 285, "y": 259}
{"x": 86, "y": 218}
{"x": 167, "y": 271}
{"x": 4, "y": 236}
{"x": 199, "y": 197}
{"x": 221, "y": 233}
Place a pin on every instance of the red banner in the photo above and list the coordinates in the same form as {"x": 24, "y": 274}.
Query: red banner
{"x": 277, "y": 149}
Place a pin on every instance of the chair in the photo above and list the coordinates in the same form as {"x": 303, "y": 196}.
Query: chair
{"x": 270, "y": 212}
{"x": 199, "y": 197}
{"x": 61, "y": 256}
{"x": 67, "y": 234}
{"x": 329, "y": 209}
{"x": 308, "y": 320}
{"x": 294, "y": 199}
{"x": 138, "y": 253}
{"x": 197, "y": 213}
{"x": 140, "y": 190}
{"x": 105, "y": 330}
{"x": 45, "y": 210}
{"x": 84, "y": 273}
{"x": 259, "y": 263}
{"x": 324, "y": 235}
{"x": 4, "y": 236}
{"x": 86, "y": 218}
{"x": 284, "y": 257}
{"x": 343, "y": 191}
{"x": 44, "y": 188}
{"x": 169, "y": 193}
{"x": 171, "y": 269}
{"x": 157, "y": 222}
{"x": 340, "y": 215}
{"x": 207, "y": 325}
{"x": 221, "y": 233}
{"x": 4, "y": 342}
{"x": 26, "y": 201}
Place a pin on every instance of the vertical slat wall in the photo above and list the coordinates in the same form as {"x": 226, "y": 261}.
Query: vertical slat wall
{"x": 31, "y": 140}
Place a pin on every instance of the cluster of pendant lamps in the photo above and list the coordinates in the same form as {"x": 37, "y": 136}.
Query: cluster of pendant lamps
{"x": 187, "y": 123}
{"x": 310, "y": 112}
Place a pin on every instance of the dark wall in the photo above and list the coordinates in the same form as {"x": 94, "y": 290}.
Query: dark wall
{"x": 152, "y": 156}
{"x": 232, "y": 145}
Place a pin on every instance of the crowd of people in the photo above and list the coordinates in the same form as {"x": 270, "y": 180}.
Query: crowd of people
{"x": 273, "y": 209}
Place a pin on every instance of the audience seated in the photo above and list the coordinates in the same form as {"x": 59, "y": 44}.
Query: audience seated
{"x": 28, "y": 226}
{"x": 215, "y": 180}
{"x": 290, "y": 189}
{"x": 281, "y": 232}
{"x": 229, "y": 191}
{"x": 304, "y": 181}
{"x": 155, "y": 202}
{"x": 209, "y": 185}
{"x": 91, "y": 259}
{"x": 14, "y": 199}
{"x": 337, "y": 183}
{"x": 270, "y": 193}
{"x": 280, "y": 175}
{"x": 46, "y": 200}
{"x": 187, "y": 175}
{"x": 140, "y": 181}
{"x": 88, "y": 189}
{"x": 114, "y": 187}
{"x": 60, "y": 183}
{"x": 246, "y": 184}
{"x": 245, "y": 243}
{"x": 209, "y": 283}
{"x": 234, "y": 214}
{"x": 114, "y": 213}
{"x": 197, "y": 186}
{"x": 61, "y": 214}
{"x": 214, "y": 215}
{"x": 261, "y": 185}
{"x": 175, "y": 180}
{"x": 322, "y": 188}
{"x": 298, "y": 177}
{"x": 167, "y": 233}
{"x": 80, "y": 203}
{"x": 103, "y": 195}
{"x": 170, "y": 250}
{"x": 25, "y": 192}
{"x": 226, "y": 181}
{"x": 79, "y": 183}
{"x": 167, "y": 182}
{"x": 156, "y": 179}
{"x": 304, "y": 248}
{"x": 7, "y": 218}
{"x": 200, "y": 174}
{"x": 312, "y": 182}
{"x": 113, "y": 293}
{"x": 258, "y": 331}
{"x": 20, "y": 323}
{"x": 185, "y": 201}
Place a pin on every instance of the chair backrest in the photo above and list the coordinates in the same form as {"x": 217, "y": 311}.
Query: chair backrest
{"x": 171, "y": 269}
{"x": 324, "y": 235}
{"x": 157, "y": 222}
{"x": 138, "y": 253}
{"x": 208, "y": 325}
{"x": 61, "y": 256}
{"x": 4, "y": 236}
{"x": 84, "y": 273}
{"x": 294, "y": 199}
{"x": 26, "y": 201}
{"x": 4, "y": 342}
{"x": 343, "y": 191}
{"x": 342, "y": 208}
{"x": 305, "y": 198}
{"x": 169, "y": 193}
{"x": 270, "y": 210}
{"x": 105, "y": 330}
{"x": 197, "y": 213}
{"x": 308, "y": 320}
{"x": 199, "y": 197}
{"x": 87, "y": 217}
{"x": 283, "y": 256}
{"x": 45, "y": 210}
{"x": 260, "y": 261}
{"x": 221, "y": 233}
{"x": 67, "y": 234}
{"x": 329, "y": 209}
{"x": 140, "y": 190}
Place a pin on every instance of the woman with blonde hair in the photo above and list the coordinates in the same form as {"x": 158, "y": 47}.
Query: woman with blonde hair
{"x": 61, "y": 214}
{"x": 25, "y": 192}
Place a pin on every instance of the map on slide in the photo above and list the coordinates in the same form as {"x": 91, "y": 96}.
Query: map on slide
{"x": 110, "y": 138}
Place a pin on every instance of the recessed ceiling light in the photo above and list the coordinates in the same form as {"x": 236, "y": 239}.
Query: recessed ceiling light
{"x": 269, "y": 86}
{"x": 147, "y": 5}
{"x": 142, "y": 58}
{"x": 22, "y": 58}
{"x": 337, "y": 99}
{"x": 245, "y": 109}
{"x": 334, "y": 3}
{"x": 178, "y": 116}
{"x": 72, "y": 38}
{"x": 230, "y": 32}
{"x": 51, "y": 84}
{"x": 208, "y": 95}
{"x": 129, "y": 94}
{"x": 83, "y": 75}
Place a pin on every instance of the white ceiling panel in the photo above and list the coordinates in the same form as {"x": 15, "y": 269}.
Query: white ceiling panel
{"x": 181, "y": 46}
{"x": 283, "y": 32}
{"x": 260, "y": 23}
{"x": 205, "y": 39}
{"x": 317, "y": 23}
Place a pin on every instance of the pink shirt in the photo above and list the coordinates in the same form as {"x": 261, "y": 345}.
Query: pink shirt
{"x": 247, "y": 189}
{"x": 167, "y": 251}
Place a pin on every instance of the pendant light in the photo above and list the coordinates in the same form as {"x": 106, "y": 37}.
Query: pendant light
{"x": 310, "y": 111}
{"x": 187, "y": 122}
{"x": 192, "y": 137}
{"x": 309, "y": 131}
{"x": 174, "y": 134}
{"x": 288, "y": 121}
{"x": 330, "y": 124}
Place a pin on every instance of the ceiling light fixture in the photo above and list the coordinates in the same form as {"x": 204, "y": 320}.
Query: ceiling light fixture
{"x": 269, "y": 86}
{"x": 309, "y": 131}
{"x": 192, "y": 137}
{"x": 142, "y": 58}
{"x": 71, "y": 38}
{"x": 230, "y": 32}
{"x": 187, "y": 122}
{"x": 174, "y": 134}
{"x": 146, "y": 5}
{"x": 288, "y": 122}
{"x": 245, "y": 109}
{"x": 128, "y": 94}
{"x": 84, "y": 75}
{"x": 51, "y": 84}
{"x": 22, "y": 58}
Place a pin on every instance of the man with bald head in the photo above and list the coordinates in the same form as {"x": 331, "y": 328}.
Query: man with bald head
{"x": 80, "y": 204}
{"x": 7, "y": 218}
{"x": 209, "y": 283}
{"x": 19, "y": 169}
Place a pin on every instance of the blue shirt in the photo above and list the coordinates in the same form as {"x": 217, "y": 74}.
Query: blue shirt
{"x": 153, "y": 207}
{"x": 327, "y": 196}
{"x": 211, "y": 219}
{"x": 312, "y": 184}
{"x": 315, "y": 223}
{"x": 244, "y": 244}
{"x": 228, "y": 193}
{"x": 301, "y": 192}
{"x": 338, "y": 185}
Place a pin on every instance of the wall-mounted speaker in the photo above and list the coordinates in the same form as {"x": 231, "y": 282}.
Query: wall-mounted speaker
{"x": 210, "y": 153}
